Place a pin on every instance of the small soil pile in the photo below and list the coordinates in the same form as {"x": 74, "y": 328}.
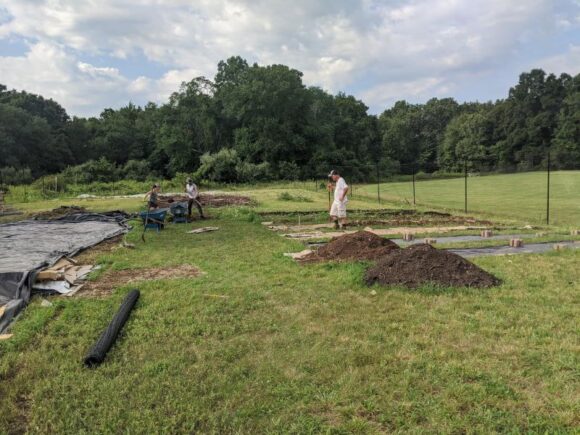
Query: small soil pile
{"x": 420, "y": 264}
{"x": 59, "y": 212}
{"x": 361, "y": 245}
{"x": 208, "y": 200}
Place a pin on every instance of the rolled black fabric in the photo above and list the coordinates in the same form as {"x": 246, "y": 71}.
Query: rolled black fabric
{"x": 98, "y": 352}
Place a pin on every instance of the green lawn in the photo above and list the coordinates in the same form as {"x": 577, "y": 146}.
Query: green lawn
{"x": 519, "y": 196}
{"x": 267, "y": 199}
{"x": 298, "y": 349}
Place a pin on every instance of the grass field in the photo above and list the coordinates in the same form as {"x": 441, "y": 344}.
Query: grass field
{"x": 259, "y": 344}
{"x": 518, "y": 196}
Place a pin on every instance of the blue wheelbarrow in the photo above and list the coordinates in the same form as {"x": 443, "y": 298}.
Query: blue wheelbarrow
{"x": 154, "y": 218}
{"x": 179, "y": 212}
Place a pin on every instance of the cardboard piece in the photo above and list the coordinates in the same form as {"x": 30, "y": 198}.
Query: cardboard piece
{"x": 203, "y": 230}
{"x": 298, "y": 255}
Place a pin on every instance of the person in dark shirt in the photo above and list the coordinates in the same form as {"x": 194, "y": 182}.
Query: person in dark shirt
{"x": 153, "y": 197}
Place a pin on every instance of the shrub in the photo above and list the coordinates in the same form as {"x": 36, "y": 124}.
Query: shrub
{"x": 138, "y": 170}
{"x": 10, "y": 175}
{"x": 286, "y": 196}
{"x": 227, "y": 167}
{"x": 92, "y": 171}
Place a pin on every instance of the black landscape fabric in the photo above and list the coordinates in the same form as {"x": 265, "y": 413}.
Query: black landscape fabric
{"x": 28, "y": 246}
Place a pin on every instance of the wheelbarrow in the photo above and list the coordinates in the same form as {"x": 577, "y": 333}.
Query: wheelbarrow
{"x": 154, "y": 218}
{"x": 179, "y": 212}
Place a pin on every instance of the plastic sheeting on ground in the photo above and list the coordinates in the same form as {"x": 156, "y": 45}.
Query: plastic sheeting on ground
{"x": 28, "y": 246}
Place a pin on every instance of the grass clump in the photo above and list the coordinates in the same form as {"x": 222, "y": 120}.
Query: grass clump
{"x": 287, "y": 196}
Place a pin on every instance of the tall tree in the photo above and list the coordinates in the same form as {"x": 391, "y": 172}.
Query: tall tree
{"x": 567, "y": 141}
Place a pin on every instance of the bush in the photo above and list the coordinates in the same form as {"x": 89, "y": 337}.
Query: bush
{"x": 10, "y": 175}
{"x": 286, "y": 196}
{"x": 219, "y": 167}
{"x": 138, "y": 170}
{"x": 288, "y": 171}
{"x": 249, "y": 172}
{"x": 226, "y": 166}
{"x": 92, "y": 171}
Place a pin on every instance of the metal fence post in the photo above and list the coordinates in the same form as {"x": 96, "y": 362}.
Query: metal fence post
{"x": 414, "y": 198}
{"x": 548, "y": 193}
{"x": 465, "y": 172}
{"x": 378, "y": 185}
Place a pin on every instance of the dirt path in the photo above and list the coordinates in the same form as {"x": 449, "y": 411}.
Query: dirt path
{"x": 382, "y": 232}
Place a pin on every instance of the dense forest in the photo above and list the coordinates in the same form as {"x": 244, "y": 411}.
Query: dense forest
{"x": 256, "y": 122}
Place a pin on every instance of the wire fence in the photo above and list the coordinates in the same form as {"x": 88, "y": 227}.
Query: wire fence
{"x": 542, "y": 196}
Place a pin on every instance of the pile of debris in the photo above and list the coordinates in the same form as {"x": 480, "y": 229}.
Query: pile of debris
{"x": 75, "y": 213}
{"x": 362, "y": 245}
{"x": 65, "y": 277}
{"x": 35, "y": 244}
{"x": 421, "y": 264}
{"x": 59, "y": 212}
{"x": 207, "y": 200}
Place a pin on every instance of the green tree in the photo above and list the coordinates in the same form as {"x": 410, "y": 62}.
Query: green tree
{"x": 467, "y": 140}
{"x": 566, "y": 146}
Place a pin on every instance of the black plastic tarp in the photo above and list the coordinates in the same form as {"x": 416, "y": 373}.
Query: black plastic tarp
{"x": 28, "y": 246}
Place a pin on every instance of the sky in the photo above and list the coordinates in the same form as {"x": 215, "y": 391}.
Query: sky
{"x": 94, "y": 54}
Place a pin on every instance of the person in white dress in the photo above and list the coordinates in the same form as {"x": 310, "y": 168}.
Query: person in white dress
{"x": 338, "y": 208}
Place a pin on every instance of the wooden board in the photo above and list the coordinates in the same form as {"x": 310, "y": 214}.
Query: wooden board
{"x": 49, "y": 275}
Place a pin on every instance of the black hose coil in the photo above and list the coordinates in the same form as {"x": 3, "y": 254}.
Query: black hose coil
{"x": 98, "y": 352}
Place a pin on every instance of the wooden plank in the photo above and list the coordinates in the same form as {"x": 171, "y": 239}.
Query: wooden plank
{"x": 5, "y": 336}
{"x": 63, "y": 263}
{"x": 49, "y": 275}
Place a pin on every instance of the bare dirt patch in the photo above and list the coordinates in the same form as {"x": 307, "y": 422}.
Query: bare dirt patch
{"x": 208, "y": 200}
{"x": 361, "y": 245}
{"x": 422, "y": 264}
{"x": 110, "y": 280}
{"x": 89, "y": 256}
{"x": 314, "y": 235}
{"x": 385, "y": 218}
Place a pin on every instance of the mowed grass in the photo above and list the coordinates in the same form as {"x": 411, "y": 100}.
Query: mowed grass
{"x": 518, "y": 196}
{"x": 266, "y": 198}
{"x": 259, "y": 344}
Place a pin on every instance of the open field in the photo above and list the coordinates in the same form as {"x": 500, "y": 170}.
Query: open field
{"x": 267, "y": 198}
{"x": 512, "y": 197}
{"x": 258, "y": 343}
{"x": 516, "y": 196}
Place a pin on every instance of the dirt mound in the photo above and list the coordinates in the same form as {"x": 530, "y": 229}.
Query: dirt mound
{"x": 420, "y": 264}
{"x": 208, "y": 200}
{"x": 361, "y": 245}
{"x": 110, "y": 280}
{"x": 59, "y": 212}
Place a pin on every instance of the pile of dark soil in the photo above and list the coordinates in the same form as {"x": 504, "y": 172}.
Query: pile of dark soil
{"x": 59, "y": 212}
{"x": 421, "y": 264}
{"x": 361, "y": 245}
{"x": 208, "y": 200}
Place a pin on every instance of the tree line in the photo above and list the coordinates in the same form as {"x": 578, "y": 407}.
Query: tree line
{"x": 256, "y": 122}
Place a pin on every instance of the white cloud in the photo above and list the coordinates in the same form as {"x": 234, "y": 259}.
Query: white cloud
{"x": 567, "y": 62}
{"x": 48, "y": 69}
{"x": 383, "y": 49}
{"x": 386, "y": 94}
